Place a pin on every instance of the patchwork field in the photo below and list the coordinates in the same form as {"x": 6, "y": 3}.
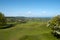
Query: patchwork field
{"x": 27, "y": 31}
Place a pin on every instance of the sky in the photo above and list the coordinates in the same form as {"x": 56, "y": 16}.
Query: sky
{"x": 30, "y": 8}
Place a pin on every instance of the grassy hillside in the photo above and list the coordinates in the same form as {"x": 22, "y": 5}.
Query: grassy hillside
{"x": 27, "y": 31}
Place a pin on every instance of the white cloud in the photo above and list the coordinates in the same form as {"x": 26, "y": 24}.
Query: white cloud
{"x": 29, "y": 12}
{"x": 44, "y": 12}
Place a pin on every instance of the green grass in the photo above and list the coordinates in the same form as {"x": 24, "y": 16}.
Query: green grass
{"x": 27, "y": 31}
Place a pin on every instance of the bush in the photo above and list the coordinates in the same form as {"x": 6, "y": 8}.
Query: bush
{"x": 54, "y": 22}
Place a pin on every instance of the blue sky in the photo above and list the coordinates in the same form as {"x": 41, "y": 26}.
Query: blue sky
{"x": 30, "y": 8}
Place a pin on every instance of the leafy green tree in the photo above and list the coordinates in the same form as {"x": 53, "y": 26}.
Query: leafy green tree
{"x": 54, "y": 22}
{"x": 2, "y": 19}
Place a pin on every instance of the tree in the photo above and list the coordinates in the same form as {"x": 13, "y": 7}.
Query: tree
{"x": 54, "y": 22}
{"x": 2, "y": 19}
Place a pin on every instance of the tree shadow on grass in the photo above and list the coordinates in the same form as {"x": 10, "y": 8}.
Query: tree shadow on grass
{"x": 7, "y": 26}
{"x": 57, "y": 36}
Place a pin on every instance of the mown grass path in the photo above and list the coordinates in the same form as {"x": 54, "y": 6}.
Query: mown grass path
{"x": 27, "y": 31}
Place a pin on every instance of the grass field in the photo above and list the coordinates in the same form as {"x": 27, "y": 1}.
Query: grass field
{"x": 27, "y": 31}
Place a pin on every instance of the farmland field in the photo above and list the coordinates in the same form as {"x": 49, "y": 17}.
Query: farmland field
{"x": 32, "y": 30}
